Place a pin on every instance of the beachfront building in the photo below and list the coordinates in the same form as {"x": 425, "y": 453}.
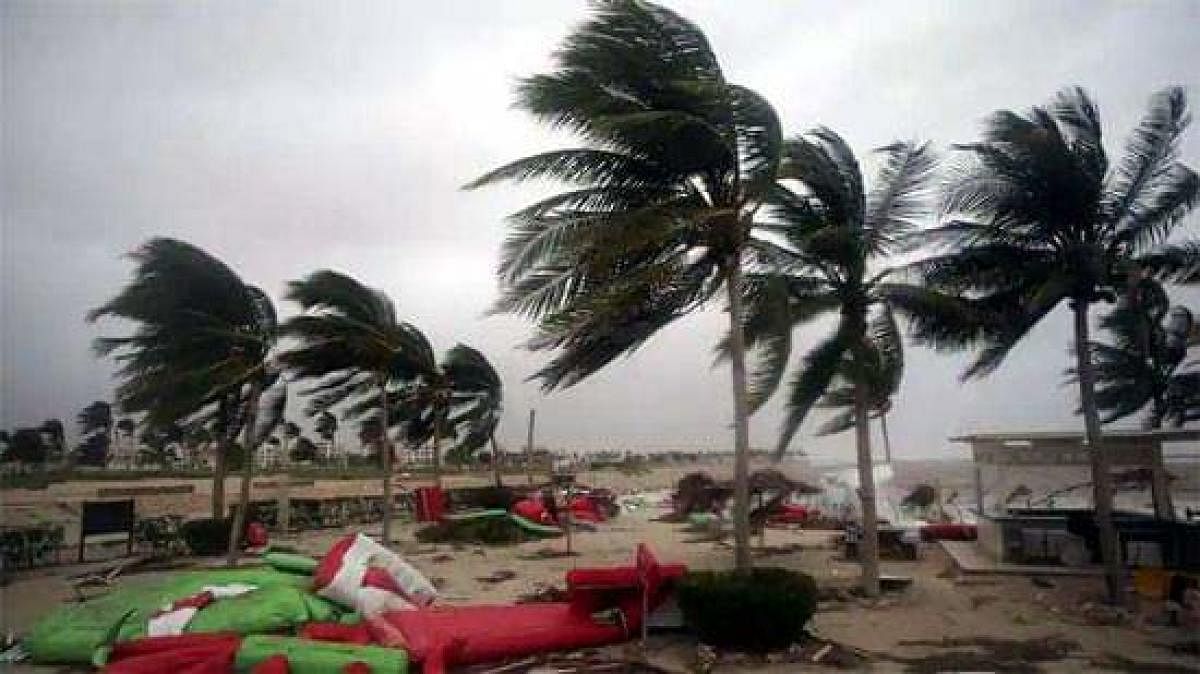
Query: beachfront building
{"x": 1033, "y": 497}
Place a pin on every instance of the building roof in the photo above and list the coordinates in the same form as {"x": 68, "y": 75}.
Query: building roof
{"x": 1162, "y": 435}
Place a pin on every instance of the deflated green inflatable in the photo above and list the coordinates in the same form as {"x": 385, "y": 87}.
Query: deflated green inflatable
{"x": 290, "y": 562}
{"x": 535, "y": 528}
{"x": 319, "y": 657}
{"x": 74, "y": 632}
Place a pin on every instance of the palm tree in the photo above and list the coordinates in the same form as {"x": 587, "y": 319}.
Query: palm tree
{"x": 200, "y": 352}
{"x": 352, "y": 342}
{"x": 96, "y": 417}
{"x": 831, "y": 236}
{"x": 459, "y": 399}
{"x": 1143, "y": 368}
{"x": 95, "y": 420}
{"x": 56, "y": 438}
{"x": 326, "y": 428}
{"x": 673, "y": 162}
{"x": 1035, "y": 218}
{"x": 126, "y": 427}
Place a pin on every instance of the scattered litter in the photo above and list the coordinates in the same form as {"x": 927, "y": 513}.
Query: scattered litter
{"x": 543, "y": 594}
{"x": 497, "y": 577}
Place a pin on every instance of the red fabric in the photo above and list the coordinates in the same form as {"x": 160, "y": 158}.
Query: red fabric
{"x": 346, "y": 634}
{"x": 256, "y": 535}
{"x": 491, "y": 633}
{"x": 584, "y": 508}
{"x": 198, "y": 600}
{"x": 461, "y": 635}
{"x": 207, "y": 653}
{"x": 332, "y": 561}
{"x": 431, "y": 504}
{"x": 380, "y": 578}
{"x": 532, "y": 510}
{"x": 356, "y": 668}
{"x": 949, "y": 532}
{"x": 791, "y": 514}
{"x": 276, "y": 664}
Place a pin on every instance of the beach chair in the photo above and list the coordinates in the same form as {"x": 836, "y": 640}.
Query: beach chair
{"x": 103, "y": 578}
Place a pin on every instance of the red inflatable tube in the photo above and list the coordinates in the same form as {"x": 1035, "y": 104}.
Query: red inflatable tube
{"x": 276, "y": 664}
{"x": 462, "y": 635}
{"x": 949, "y": 532}
{"x": 337, "y": 632}
{"x": 202, "y": 653}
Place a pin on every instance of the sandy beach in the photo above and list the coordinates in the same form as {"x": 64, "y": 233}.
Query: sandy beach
{"x": 944, "y": 621}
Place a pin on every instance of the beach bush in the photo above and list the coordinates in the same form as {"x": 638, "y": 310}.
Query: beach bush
{"x": 206, "y": 537}
{"x": 763, "y": 610}
{"x": 481, "y": 531}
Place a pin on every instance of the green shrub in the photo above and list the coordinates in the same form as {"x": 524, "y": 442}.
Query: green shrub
{"x": 206, "y": 537}
{"x": 763, "y": 610}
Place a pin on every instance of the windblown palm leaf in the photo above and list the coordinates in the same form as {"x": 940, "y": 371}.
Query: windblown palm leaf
{"x": 673, "y": 157}
{"x": 1038, "y": 196}
{"x": 201, "y": 332}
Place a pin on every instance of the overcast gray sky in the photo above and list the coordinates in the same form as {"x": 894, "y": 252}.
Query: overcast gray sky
{"x": 291, "y": 136}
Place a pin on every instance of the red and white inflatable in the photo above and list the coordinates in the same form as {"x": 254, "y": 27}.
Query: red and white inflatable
{"x": 362, "y": 574}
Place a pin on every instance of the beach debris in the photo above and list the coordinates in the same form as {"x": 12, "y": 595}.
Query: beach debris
{"x": 542, "y": 593}
{"x": 497, "y": 577}
{"x": 706, "y": 658}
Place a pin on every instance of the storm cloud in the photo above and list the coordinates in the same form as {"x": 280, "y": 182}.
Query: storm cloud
{"x": 286, "y": 137}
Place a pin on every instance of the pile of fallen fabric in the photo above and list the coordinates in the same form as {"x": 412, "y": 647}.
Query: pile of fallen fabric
{"x": 310, "y": 616}
{"x": 361, "y": 609}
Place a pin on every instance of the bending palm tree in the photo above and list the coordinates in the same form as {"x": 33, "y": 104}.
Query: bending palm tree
{"x": 200, "y": 349}
{"x": 830, "y": 236}
{"x": 1037, "y": 219}
{"x": 351, "y": 340}
{"x": 673, "y": 163}
{"x": 460, "y": 399}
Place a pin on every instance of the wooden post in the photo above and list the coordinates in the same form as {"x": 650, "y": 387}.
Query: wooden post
{"x": 1160, "y": 486}
{"x": 529, "y": 448}
{"x": 978, "y": 487}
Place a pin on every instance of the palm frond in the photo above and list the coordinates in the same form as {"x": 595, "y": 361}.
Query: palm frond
{"x": 1175, "y": 263}
{"x": 1147, "y": 178}
{"x": 819, "y": 368}
{"x": 897, "y": 203}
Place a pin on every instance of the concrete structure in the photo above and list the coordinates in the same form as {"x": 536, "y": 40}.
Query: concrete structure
{"x": 1127, "y": 449}
{"x": 1021, "y": 534}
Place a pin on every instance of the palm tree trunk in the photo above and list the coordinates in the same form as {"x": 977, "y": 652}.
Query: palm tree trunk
{"x": 496, "y": 461}
{"x": 219, "y": 470}
{"x": 284, "y": 506}
{"x": 741, "y": 418}
{"x": 887, "y": 442}
{"x": 1102, "y": 485}
{"x": 437, "y": 456}
{"x": 239, "y": 516}
{"x": 385, "y": 456}
{"x": 869, "y": 546}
